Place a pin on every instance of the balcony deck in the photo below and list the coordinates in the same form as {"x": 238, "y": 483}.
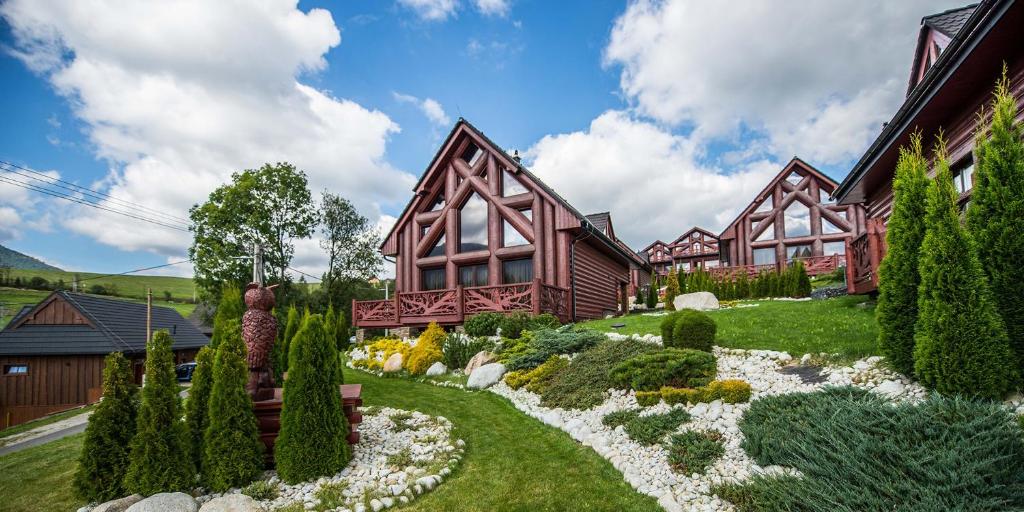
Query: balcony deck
{"x": 453, "y": 305}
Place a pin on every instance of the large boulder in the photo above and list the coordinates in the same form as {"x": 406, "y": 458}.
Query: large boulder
{"x": 481, "y": 358}
{"x": 701, "y": 301}
{"x": 436, "y": 369}
{"x": 119, "y": 505}
{"x": 486, "y": 376}
{"x": 394, "y": 363}
{"x": 232, "y": 503}
{"x": 166, "y": 502}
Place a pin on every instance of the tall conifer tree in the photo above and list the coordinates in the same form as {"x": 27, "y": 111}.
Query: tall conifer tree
{"x": 198, "y": 404}
{"x": 105, "y": 454}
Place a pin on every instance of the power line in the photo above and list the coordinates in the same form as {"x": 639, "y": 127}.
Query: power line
{"x": 134, "y": 271}
{"x": 73, "y": 187}
{"x": 303, "y": 273}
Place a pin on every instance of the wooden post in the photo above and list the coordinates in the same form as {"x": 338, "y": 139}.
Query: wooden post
{"x": 536, "y": 296}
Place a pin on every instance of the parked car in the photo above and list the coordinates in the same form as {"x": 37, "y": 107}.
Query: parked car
{"x": 184, "y": 371}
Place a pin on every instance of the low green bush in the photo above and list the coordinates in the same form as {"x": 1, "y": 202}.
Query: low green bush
{"x": 674, "y": 396}
{"x": 585, "y": 382}
{"x": 730, "y": 391}
{"x": 618, "y": 418}
{"x": 648, "y": 430}
{"x": 482, "y": 324}
{"x": 545, "y": 343}
{"x": 692, "y": 452}
{"x": 688, "y": 328}
{"x": 540, "y": 378}
{"x": 516, "y": 379}
{"x": 513, "y": 324}
{"x": 647, "y": 398}
{"x": 260, "y": 490}
{"x": 856, "y": 451}
{"x": 673, "y": 367}
{"x": 457, "y": 349}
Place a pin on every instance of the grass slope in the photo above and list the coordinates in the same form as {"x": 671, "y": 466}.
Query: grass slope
{"x": 134, "y": 286}
{"x": 512, "y": 462}
{"x": 844, "y": 325}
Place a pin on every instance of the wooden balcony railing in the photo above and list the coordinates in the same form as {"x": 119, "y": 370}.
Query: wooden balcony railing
{"x": 815, "y": 265}
{"x": 453, "y": 305}
{"x": 865, "y": 254}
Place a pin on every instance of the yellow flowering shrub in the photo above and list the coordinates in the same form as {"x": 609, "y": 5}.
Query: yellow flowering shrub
{"x": 385, "y": 348}
{"x": 427, "y": 350}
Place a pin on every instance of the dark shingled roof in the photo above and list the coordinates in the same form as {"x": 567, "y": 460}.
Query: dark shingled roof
{"x": 120, "y": 326}
{"x": 599, "y": 220}
{"x": 949, "y": 22}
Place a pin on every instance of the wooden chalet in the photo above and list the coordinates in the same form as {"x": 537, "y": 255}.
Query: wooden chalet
{"x": 694, "y": 249}
{"x": 959, "y": 58}
{"x": 792, "y": 218}
{"x": 51, "y": 354}
{"x": 483, "y": 233}
{"x": 659, "y": 256}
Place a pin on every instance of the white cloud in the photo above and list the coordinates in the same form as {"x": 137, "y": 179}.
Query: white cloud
{"x": 429, "y": 106}
{"x": 178, "y": 96}
{"x": 431, "y": 10}
{"x": 817, "y": 78}
{"x": 650, "y": 179}
{"x": 498, "y": 8}
{"x": 9, "y": 223}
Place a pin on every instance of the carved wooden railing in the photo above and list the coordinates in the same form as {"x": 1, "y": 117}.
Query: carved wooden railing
{"x": 437, "y": 305}
{"x": 816, "y": 265}
{"x": 861, "y": 272}
{"x": 372, "y": 312}
{"x": 555, "y": 300}
{"x": 505, "y": 297}
{"x": 734, "y": 271}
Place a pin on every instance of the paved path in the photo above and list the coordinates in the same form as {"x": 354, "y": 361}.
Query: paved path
{"x": 45, "y": 434}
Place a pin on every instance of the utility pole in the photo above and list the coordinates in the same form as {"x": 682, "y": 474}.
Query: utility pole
{"x": 257, "y": 264}
{"x": 149, "y": 314}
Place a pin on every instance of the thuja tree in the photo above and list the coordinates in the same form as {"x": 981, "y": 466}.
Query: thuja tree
{"x": 996, "y": 213}
{"x": 671, "y": 289}
{"x": 639, "y": 299}
{"x": 233, "y": 453}
{"x": 961, "y": 345}
{"x": 229, "y": 310}
{"x": 312, "y": 441}
{"x": 898, "y": 276}
{"x": 197, "y": 406}
{"x": 105, "y": 454}
{"x": 682, "y": 282}
{"x": 331, "y": 325}
{"x": 160, "y": 448}
{"x": 341, "y": 331}
{"x": 801, "y": 281}
{"x": 291, "y": 327}
{"x": 652, "y": 292}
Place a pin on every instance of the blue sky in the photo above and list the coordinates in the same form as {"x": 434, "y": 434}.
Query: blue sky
{"x": 618, "y": 105}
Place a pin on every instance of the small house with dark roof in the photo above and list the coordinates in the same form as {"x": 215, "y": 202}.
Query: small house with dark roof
{"x": 483, "y": 233}
{"x": 51, "y": 354}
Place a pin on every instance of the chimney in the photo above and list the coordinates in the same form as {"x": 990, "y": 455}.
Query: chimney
{"x": 515, "y": 156}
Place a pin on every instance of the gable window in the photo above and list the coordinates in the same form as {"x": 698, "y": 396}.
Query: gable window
{"x": 798, "y": 251}
{"x": 824, "y": 197}
{"x": 830, "y": 248}
{"x": 473, "y": 224}
{"x": 438, "y": 202}
{"x": 438, "y": 249}
{"x": 963, "y": 177}
{"x": 473, "y": 275}
{"x": 794, "y": 178}
{"x": 767, "y": 234}
{"x": 472, "y": 154}
{"x": 828, "y": 228}
{"x": 433, "y": 279}
{"x": 15, "y": 369}
{"x": 798, "y": 220}
{"x": 510, "y": 236}
{"x": 765, "y": 206}
{"x": 510, "y": 186}
{"x": 765, "y": 256}
{"x": 517, "y": 271}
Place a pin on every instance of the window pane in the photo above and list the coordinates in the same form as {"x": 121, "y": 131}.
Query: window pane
{"x": 438, "y": 249}
{"x": 472, "y": 154}
{"x": 438, "y": 202}
{"x": 798, "y": 220}
{"x": 511, "y": 236}
{"x": 473, "y": 275}
{"x": 528, "y": 213}
{"x": 517, "y": 271}
{"x": 828, "y": 228}
{"x": 798, "y": 251}
{"x": 433, "y": 279}
{"x": 824, "y": 199}
{"x": 510, "y": 186}
{"x": 764, "y": 256}
{"x": 16, "y": 369}
{"x": 766, "y": 205}
{"x": 968, "y": 173}
{"x": 794, "y": 177}
{"x": 473, "y": 224}
{"x": 830, "y": 248}
{"x": 767, "y": 234}
{"x": 711, "y": 264}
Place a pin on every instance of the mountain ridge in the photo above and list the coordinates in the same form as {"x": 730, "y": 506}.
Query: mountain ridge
{"x": 14, "y": 259}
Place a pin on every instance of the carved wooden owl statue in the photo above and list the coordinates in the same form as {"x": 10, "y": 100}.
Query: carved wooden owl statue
{"x": 259, "y": 330}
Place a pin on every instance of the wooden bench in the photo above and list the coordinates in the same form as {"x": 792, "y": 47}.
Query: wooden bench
{"x": 268, "y": 415}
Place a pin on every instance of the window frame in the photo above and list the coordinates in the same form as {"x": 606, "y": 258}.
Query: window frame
{"x": 516, "y": 260}
{"x": 8, "y": 367}
{"x": 477, "y": 267}
{"x": 423, "y": 278}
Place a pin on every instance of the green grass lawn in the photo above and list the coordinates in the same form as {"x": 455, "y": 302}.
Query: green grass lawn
{"x": 14, "y": 298}
{"x": 512, "y": 462}
{"x": 29, "y": 425}
{"x": 181, "y": 288}
{"x": 844, "y": 326}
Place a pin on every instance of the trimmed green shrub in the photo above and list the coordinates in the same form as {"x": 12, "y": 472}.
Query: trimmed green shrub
{"x": 233, "y": 452}
{"x": 513, "y": 324}
{"x": 160, "y": 460}
{"x": 229, "y": 310}
{"x": 671, "y": 289}
{"x": 261, "y": 490}
{"x": 673, "y": 367}
{"x": 857, "y": 451}
{"x": 639, "y": 299}
{"x": 648, "y": 430}
{"x": 197, "y": 406}
{"x": 331, "y": 325}
{"x": 483, "y": 324}
{"x": 996, "y": 213}
{"x": 312, "y": 441}
{"x": 545, "y": 321}
{"x": 427, "y": 350}
{"x": 618, "y": 418}
{"x": 652, "y": 292}
{"x": 540, "y": 378}
{"x": 730, "y": 391}
{"x": 291, "y": 327}
{"x": 104, "y": 459}
{"x": 585, "y": 382}
{"x": 544, "y": 343}
{"x": 457, "y": 349}
{"x": 898, "y": 275}
{"x": 342, "y": 331}
{"x": 692, "y": 452}
{"x": 690, "y": 329}
{"x": 647, "y": 398}
{"x": 801, "y": 281}
{"x": 516, "y": 379}
{"x": 960, "y": 345}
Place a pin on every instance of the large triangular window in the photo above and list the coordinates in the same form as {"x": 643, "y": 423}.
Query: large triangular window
{"x": 438, "y": 248}
{"x": 438, "y": 202}
{"x": 794, "y": 178}
{"x": 824, "y": 197}
{"x": 473, "y": 224}
{"x": 765, "y": 206}
{"x": 472, "y": 154}
{"x": 767, "y": 234}
{"x": 510, "y": 186}
{"x": 510, "y": 236}
{"x": 798, "y": 220}
{"x": 828, "y": 228}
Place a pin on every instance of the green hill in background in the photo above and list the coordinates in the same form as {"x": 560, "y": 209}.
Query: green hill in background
{"x": 131, "y": 286}
{"x": 16, "y": 260}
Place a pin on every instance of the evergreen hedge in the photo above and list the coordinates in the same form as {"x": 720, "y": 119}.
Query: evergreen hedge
{"x": 160, "y": 460}
{"x": 198, "y": 404}
{"x": 652, "y": 292}
{"x": 341, "y": 329}
{"x": 233, "y": 452}
{"x": 105, "y": 454}
{"x": 961, "y": 345}
{"x": 996, "y": 213}
{"x": 291, "y": 327}
{"x": 898, "y": 275}
{"x": 312, "y": 440}
{"x": 229, "y": 309}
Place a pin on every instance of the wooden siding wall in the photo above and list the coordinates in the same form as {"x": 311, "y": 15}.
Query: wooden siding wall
{"x": 57, "y": 312}
{"x": 598, "y": 279}
{"x": 53, "y": 383}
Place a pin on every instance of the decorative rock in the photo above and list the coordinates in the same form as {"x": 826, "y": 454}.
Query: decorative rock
{"x": 232, "y": 503}
{"x": 437, "y": 368}
{"x": 119, "y": 505}
{"x": 394, "y": 363}
{"x": 891, "y": 388}
{"x": 486, "y": 376}
{"x": 481, "y": 358}
{"x": 701, "y": 301}
{"x": 805, "y": 359}
{"x": 166, "y": 502}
